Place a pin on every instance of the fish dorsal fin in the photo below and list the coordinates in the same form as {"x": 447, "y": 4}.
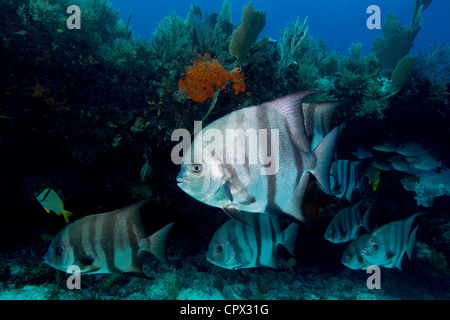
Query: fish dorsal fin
{"x": 291, "y": 110}
{"x": 132, "y": 210}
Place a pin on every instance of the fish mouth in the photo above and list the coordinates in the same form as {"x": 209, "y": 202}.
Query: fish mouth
{"x": 47, "y": 259}
{"x": 180, "y": 180}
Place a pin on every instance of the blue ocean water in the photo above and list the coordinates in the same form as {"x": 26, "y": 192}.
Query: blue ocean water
{"x": 338, "y": 23}
{"x": 87, "y": 118}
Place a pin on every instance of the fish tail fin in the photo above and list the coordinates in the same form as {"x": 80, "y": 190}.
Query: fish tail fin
{"x": 66, "y": 215}
{"x": 290, "y": 237}
{"x": 366, "y": 219}
{"x": 156, "y": 243}
{"x": 323, "y": 154}
{"x": 412, "y": 243}
{"x": 317, "y": 118}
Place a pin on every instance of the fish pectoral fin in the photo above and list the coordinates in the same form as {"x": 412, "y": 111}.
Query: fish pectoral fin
{"x": 247, "y": 201}
{"x": 226, "y": 187}
{"x": 241, "y": 261}
{"x": 235, "y": 213}
{"x": 390, "y": 254}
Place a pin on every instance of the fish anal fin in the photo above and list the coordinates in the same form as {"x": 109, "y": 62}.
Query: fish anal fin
{"x": 235, "y": 213}
{"x": 390, "y": 254}
{"x": 295, "y": 205}
{"x": 248, "y": 201}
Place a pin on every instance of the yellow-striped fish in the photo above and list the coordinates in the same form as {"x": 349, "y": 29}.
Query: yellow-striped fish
{"x": 50, "y": 201}
{"x": 111, "y": 242}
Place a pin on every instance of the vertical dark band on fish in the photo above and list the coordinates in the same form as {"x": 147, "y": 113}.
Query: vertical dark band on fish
{"x": 133, "y": 239}
{"x": 108, "y": 242}
{"x": 258, "y": 235}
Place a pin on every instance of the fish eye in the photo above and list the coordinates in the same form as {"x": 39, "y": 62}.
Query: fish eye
{"x": 375, "y": 247}
{"x": 58, "y": 251}
{"x": 197, "y": 168}
{"x": 219, "y": 249}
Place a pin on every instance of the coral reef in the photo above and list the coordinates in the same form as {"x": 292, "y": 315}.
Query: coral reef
{"x": 395, "y": 43}
{"x": 245, "y": 35}
{"x": 90, "y": 112}
{"x": 429, "y": 186}
{"x": 401, "y": 72}
{"x": 291, "y": 44}
{"x": 433, "y": 64}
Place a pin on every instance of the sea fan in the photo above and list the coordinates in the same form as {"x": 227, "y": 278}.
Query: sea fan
{"x": 434, "y": 64}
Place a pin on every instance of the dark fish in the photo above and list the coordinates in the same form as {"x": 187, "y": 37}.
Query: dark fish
{"x": 346, "y": 224}
{"x": 252, "y": 244}
{"x": 352, "y": 257}
{"x": 346, "y": 179}
{"x": 112, "y": 242}
{"x": 388, "y": 244}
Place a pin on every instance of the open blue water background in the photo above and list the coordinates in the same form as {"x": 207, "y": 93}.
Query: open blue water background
{"x": 338, "y": 23}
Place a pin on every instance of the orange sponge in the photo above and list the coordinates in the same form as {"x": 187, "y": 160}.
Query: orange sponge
{"x": 206, "y": 75}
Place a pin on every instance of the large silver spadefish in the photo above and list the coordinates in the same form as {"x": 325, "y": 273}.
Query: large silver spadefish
{"x": 225, "y": 174}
